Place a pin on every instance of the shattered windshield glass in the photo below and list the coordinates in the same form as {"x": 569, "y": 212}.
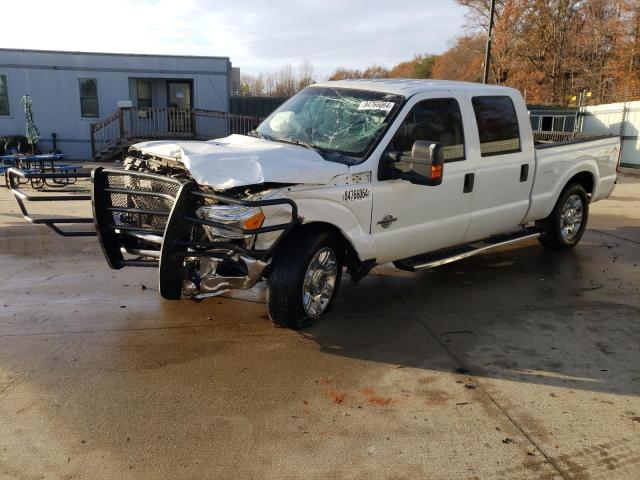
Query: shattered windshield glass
{"x": 332, "y": 120}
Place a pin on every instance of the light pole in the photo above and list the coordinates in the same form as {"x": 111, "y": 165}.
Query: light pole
{"x": 487, "y": 55}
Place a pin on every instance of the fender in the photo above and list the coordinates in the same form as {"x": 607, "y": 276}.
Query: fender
{"x": 550, "y": 182}
{"x": 352, "y": 217}
{"x": 344, "y": 219}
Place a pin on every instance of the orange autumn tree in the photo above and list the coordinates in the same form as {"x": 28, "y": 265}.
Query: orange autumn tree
{"x": 551, "y": 50}
{"x": 554, "y": 49}
{"x": 463, "y": 61}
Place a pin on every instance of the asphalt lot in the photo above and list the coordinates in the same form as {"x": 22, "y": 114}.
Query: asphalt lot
{"x": 100, "y": 378}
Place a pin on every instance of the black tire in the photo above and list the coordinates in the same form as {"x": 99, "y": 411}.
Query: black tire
{"x": 285, "y": 292}
{"x": 553, "y": 236}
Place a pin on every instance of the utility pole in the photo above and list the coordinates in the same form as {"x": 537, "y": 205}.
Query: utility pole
{"x": 487, "y": 55}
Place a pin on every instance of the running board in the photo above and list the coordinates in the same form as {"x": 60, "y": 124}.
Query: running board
{"x": 449, "y": 255}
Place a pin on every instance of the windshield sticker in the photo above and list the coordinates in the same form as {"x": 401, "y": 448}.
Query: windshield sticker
{"x": 376, "y": 105}
{"x": 355, "y": 194}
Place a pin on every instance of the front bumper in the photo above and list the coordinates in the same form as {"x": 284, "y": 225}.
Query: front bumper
{"x": 207, "y": 281}
{"x": 143, "y": 219}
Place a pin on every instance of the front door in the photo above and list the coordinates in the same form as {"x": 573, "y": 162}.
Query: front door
{"x": 412, "y": 219}
{"x": 179, "y": 101}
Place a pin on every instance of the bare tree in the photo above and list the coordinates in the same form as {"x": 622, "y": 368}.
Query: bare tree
{"x": 252, "y": 85}
{"x": 283, "y": 82}
{"x": 305, "y": 74}
{"x": 374, "y": 71}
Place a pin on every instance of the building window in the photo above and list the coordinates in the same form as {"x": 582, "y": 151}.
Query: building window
{"x": 4, "y": 96}
{"x": 497, "y": 125}
{"x": 89, "y": 97}
{"x": 143, "y": 88}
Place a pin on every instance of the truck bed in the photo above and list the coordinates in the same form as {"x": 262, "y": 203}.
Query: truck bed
{"x": 540, "y": 142}
{"x": 557, "y": 163}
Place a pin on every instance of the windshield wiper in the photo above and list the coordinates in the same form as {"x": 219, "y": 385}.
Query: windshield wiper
{"x": 256, "y": 133}
{"x": 295, "y": 141}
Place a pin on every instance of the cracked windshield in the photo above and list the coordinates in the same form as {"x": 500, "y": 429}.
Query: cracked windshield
{"x": 333, "y": 121}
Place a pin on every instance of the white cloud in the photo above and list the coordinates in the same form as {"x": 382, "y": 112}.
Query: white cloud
{"x": 255, "y": 34}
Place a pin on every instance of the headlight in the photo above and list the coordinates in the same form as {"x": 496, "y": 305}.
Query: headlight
{"x": 242, "y": 217}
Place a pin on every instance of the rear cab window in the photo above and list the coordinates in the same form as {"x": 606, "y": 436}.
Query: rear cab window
{"x": 497, "y": 122}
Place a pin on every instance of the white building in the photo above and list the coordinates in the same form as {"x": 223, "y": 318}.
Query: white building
{"x": 72, "y": 90}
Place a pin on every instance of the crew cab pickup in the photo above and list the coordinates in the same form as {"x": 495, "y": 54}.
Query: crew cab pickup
{"x": 344, "y": 176}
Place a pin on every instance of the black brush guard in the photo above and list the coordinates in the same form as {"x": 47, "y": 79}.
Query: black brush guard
{"x": 13, "y": 181}
{"x": 147, "y": 220}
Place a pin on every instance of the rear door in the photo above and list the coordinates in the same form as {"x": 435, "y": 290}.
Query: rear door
{"x": 503, "y": 164}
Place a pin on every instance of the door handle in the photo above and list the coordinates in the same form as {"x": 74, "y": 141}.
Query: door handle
{"x": 468, "y": 183}
{"x": 524, "y": 172}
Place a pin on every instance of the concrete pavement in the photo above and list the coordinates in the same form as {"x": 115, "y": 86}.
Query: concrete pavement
{"x": 520, "y": 364}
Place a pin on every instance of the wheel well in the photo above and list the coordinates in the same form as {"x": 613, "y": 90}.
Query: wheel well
{"x": 349, "y": 254}
{"x": 585, "y": 179}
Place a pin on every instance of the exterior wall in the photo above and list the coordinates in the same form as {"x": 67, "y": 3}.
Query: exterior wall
{"x": 51, "y": 78}
{"x": 619, "y": 119}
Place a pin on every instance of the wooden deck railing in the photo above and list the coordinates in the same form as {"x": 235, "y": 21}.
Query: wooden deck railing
{"x": 130, "y": 124}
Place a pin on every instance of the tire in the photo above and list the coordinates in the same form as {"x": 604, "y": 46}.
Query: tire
{"x": 564, "y": 228}
{"x": 300, "y": 272}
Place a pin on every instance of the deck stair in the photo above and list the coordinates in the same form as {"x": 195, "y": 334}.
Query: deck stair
{"x": 116, "y": 149}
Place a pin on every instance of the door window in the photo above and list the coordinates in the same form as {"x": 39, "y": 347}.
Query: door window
{"x": 437, "y": 120}
{"x": 143, "y": 88}
{"x": 179, "y": 95}
{"x": 497, "y": 125}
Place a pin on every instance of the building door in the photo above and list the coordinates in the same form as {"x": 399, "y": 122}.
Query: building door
{"x": 180, "y": 101}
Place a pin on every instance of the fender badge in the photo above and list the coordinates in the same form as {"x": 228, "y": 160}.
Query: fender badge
{"x": 387, "y": 220}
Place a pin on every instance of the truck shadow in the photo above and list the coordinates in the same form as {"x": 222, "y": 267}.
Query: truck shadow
{"x": 622, "y": 233}
{"x": 565, "y": 319}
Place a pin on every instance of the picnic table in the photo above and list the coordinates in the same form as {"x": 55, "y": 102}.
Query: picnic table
{"x": 43, "y": 163}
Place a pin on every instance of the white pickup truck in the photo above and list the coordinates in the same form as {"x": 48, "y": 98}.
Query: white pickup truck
{"x": 347, "y": 175}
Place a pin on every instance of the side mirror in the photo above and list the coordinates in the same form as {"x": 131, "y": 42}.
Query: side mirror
{"x": 423, "y": 167}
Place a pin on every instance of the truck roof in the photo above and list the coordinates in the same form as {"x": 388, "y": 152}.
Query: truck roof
{"x": 408, "y": 87}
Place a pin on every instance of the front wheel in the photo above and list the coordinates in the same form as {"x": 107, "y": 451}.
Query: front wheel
{"x": 304, "y": 281}
{"x": 564, "y": 228}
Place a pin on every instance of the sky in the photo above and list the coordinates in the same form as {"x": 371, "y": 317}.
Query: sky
{"x": 258, "y": 35}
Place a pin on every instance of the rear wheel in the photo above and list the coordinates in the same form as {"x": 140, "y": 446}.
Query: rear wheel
{"x": 564, "y": 228}
{"x": 304, "y": 281}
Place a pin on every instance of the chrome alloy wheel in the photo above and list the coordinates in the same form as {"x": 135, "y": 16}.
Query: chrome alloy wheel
{"x": 319, "y": 282}
{"x": 571, "y": 218}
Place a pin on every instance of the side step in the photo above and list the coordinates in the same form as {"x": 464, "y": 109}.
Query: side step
{"x": 449, "y": 255}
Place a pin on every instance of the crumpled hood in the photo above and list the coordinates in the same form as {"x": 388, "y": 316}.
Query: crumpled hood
{"x": 239, "y": 160}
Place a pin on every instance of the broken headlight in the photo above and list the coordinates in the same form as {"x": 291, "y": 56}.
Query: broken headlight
{"x": 248, "y": 218}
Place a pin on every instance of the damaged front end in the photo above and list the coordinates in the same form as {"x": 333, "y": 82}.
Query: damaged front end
{"x": 203, "y": 242}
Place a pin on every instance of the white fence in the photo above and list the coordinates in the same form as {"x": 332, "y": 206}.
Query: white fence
{"x": 621, "y": 119}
